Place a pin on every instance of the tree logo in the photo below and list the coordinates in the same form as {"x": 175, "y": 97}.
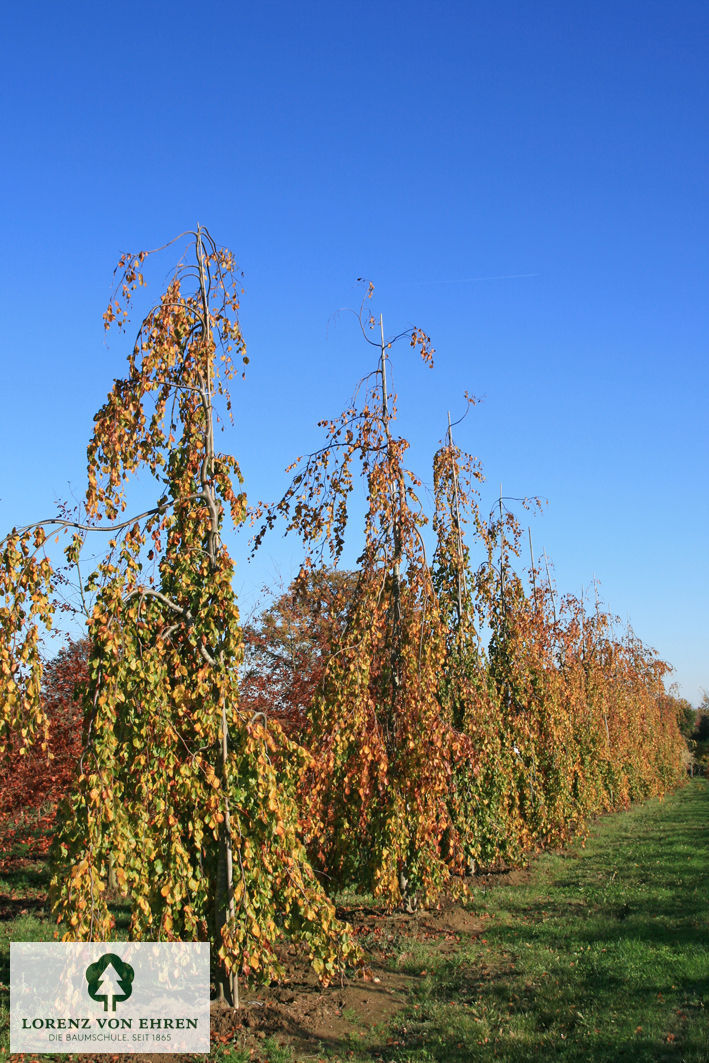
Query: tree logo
{"x": 110, "y": 980}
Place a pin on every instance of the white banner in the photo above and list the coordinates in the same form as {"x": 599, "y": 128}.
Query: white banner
{"x": 115, "y": 996}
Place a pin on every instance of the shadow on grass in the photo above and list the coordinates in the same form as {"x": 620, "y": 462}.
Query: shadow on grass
{"x": 34, "y": 876}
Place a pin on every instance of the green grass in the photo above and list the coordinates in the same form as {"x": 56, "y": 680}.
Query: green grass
{"x": 25, "y": 890}
{"x": 601, "y": 957}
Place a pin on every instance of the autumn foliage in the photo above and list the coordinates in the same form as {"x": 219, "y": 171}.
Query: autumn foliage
{"x": 435, "y": 710}
{"x": 32, "y": 784}
{"x": 288, "y": 645}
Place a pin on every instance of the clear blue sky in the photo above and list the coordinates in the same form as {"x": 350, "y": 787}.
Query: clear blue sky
{"x": 525, "y": 181}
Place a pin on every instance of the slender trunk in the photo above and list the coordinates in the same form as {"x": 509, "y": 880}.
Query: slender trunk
{"x": 227, "y": 983}
{"x": 460, "y": 568}
{"x": 461, "y": 631}
{"x": 398, "y": 507}
{"x": 399, "y": 503}
{"x": 507, "y": 692}
{"x": 551, "y": 589}
{"x": 531, "y": 561}
{"x": 502, "y": 556}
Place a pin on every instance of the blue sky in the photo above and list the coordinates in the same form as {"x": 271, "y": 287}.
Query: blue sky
{"x": 525, "y": 181}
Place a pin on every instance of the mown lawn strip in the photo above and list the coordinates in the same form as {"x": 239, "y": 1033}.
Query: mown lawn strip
{"x": 601, "y": 956}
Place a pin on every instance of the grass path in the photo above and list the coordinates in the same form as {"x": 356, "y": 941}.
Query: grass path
{"x": 602, "y": 955}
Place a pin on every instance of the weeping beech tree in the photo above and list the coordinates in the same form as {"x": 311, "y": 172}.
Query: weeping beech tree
{"x": 565, "y": 717}
{"x": 456, "y": 480}
{"x": 179, "y": 802}
{"x": 481, "y": 786}
{"x": 378, "y": 791}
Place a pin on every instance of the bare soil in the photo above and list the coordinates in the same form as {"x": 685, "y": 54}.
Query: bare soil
{"x": 311, "y": 1019}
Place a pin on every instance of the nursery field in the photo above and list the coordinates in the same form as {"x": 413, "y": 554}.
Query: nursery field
{"x": 308, "y": 790}
{"x": 599, "y": 952}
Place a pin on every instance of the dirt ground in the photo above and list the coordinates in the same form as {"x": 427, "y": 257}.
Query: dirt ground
{"x": 310, "y": 1019}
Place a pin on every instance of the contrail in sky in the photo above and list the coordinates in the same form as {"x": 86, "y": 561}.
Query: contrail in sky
{"x": 469, "y": 280}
